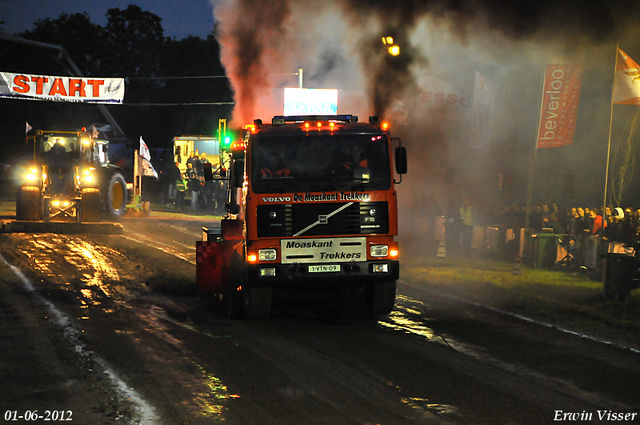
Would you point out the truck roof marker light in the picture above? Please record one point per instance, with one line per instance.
(319, 125)
(332, 125)
(306, 126)
(385, 126)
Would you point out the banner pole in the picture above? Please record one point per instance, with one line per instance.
(606, 174)
(535, 157)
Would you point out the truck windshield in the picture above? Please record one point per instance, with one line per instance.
(319, 163)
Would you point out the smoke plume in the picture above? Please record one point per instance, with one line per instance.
(427, 91)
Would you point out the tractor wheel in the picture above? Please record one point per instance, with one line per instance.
(146, 209)
(29, 205)
(116, 200)
(381, 297)
(90, 205)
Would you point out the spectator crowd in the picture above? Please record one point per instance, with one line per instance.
(616, 224)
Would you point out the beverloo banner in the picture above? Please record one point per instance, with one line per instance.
(61, 89)
(559, 105)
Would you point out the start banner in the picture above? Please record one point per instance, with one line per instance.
(559, 105)
(61, 89)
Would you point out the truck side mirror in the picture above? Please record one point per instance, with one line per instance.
(401, 160)
(238, 174)
(208, 172)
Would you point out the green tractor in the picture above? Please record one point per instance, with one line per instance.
(70, 180)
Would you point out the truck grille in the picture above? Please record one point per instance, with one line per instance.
(358, 218)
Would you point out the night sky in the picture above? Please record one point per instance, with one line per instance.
(179, 18)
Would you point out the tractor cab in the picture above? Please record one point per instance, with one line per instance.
(61, 158)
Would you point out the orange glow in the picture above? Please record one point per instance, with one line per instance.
(252, 258)
(393, 253)
(385, 126)
(332, 125)
(319, 124)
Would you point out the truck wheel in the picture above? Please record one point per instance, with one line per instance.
(117, 196)
(231, 302)
(29, 205)
(382, 297)
(232, 298)
(256, 301)
(90, 205)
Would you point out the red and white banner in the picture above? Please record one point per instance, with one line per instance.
(61, 89)
(626, 83)
(145, 161)
(559, 105)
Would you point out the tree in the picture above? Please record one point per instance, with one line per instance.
(131, 45)
(76, 34)
(134, 42)
(198, 58)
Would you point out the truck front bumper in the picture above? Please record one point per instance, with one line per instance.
(309, 275)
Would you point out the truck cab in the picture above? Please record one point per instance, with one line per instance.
(312, 210)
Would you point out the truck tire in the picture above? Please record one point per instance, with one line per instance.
(232, 298)
(382, 297)
(90, 205)
(28, 205)
(256, 301)
(116, 199)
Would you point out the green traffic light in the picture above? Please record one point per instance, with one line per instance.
(227, 140)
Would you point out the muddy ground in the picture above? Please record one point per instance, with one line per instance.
(110, 328)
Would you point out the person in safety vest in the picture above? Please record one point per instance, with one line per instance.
(466, 217)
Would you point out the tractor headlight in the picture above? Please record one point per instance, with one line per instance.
(32, 175)
(88, 176)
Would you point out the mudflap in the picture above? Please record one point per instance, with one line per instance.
(212, 267)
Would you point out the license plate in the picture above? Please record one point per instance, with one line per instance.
(326, 268)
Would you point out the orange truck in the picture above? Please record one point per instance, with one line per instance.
(311, 211)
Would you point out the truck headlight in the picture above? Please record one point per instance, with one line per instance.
(379, 250)
(267, 254)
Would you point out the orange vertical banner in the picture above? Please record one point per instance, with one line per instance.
(559, 105)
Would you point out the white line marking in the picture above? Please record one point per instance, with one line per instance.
(146, 413)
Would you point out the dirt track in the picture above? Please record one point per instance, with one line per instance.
(112, 330)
